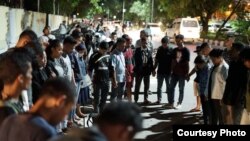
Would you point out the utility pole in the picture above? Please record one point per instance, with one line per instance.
(38, 5)
(123, 10)
(54, 7)
(21, 3)
(152, 12)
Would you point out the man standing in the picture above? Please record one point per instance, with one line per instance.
(143, 68)
(118, 66)
(63, 30)
(245, 54)
(100, 63)
(163, 61)
(180, 69)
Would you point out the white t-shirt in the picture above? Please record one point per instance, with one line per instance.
(68, 63)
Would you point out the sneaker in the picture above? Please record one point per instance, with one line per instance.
(178, 106)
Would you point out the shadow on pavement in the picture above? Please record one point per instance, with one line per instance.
(162, 131)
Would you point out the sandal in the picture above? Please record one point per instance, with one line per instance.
(195, 110)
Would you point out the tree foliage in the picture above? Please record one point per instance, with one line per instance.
(141, 10)
(195, 8)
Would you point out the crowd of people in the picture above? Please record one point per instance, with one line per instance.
(45, 82)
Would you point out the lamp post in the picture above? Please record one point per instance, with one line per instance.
(152, 11)
(38, 5)
(123, 10)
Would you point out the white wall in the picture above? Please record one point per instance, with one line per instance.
(3, 27)
(55, 21)
(13, 21)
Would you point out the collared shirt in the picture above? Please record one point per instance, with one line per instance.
(118, 64)
(217, 81)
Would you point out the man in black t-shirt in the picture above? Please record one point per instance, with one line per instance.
(163, 61)
(180, 69)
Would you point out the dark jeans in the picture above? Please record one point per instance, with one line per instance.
(173, 82)
(118, 92)
(138, 79)
(160, 79)
(205, 108)
(100, 95)
(215, 112)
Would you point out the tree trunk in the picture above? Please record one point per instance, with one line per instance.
(204, 20)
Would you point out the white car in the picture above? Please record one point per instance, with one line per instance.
(188, 27)
(153, 29)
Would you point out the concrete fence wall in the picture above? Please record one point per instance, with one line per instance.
(56, 20)
(13, 21)
(3, 27)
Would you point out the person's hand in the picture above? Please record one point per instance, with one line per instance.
(114, 84)
(154, 73)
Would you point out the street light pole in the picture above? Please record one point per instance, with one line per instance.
(152, 11)
(38, 5)
(123, 10)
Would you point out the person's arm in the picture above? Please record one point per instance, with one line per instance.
(193, 71)
(90, 66)
(156, 63)
(113, 72)
(203, 80)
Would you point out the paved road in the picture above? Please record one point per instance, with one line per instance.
(158, 121)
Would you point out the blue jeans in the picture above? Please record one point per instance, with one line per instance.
(160, 79)
(100, 95)
(118, 92)
(174, 80)
(73, 111)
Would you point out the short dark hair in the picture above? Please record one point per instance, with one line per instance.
(245, 53)
(29, 33)
(216, 52)
(125, 36)
(123, 113)
(69, 40)
(104, 45)
(36, 47)
(14, 63)
(238, 46)
(76, 34)
(120, 40)
(179, 36)
(59, 86)
(165, 39)
(199, 59)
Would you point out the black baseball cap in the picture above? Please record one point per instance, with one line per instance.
(198, 49)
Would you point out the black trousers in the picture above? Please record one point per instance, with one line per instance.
(215, 112)
(138, 80)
